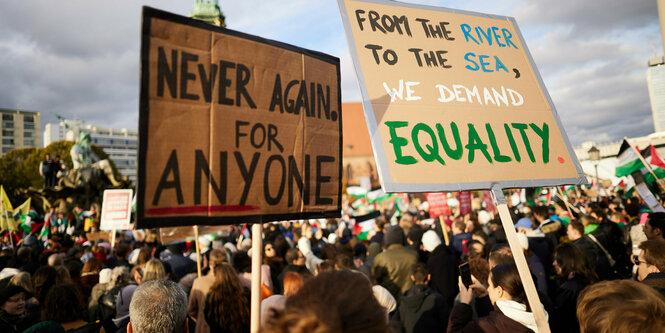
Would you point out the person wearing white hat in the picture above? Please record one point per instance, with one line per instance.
(441, 265)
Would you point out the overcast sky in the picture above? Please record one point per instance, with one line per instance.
(81, 58)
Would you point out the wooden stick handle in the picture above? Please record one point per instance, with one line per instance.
(520, 260)
(444, 231)
(198, 250)
(257, 252)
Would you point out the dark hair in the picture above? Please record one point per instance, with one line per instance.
(657, 221)
(654, 253)
(577, 226)
(226, 305)
(480, 233)
(144, 255)
(633, 209)
(343, 261)
(337, 301)
(325, 266)
(281, 245)
(74, 267)
(542, 211)
(291, 256)
(472, 252)
(122, 250)
(419, 272)
(43, 280)
(507, 277)
(501, 254)
(328, 251)
(63, 304)
(92, 265)
(572, 260)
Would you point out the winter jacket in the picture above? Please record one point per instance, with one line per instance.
(461, 320)
(422, 310)
(392, 269)
(564, 317)
(657, 281)
(442, 267)
(458, 242)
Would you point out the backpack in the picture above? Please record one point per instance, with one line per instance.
(106, 304)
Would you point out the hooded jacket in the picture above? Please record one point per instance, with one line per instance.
(392, 269)
(422, 310)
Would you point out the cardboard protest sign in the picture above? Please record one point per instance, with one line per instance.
(179, 234)
(464, 203)
(116, 210)
(453, 100)
(489, 203)
(438, 204)
(234, 127)
(97, 235)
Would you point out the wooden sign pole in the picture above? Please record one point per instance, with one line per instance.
(198, 250)
(257, 252)
(444, 231)
(520, 260)
(113, 240)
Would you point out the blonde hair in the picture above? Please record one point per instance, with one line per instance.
(153, 270)
(23, 280)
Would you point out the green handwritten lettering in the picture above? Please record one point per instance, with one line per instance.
(476, 144)
(495, 148)
(433, 150)
(399, 142)
(522, 127)
(457, 153)
(544, 134)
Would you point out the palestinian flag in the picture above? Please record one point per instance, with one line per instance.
(650, 155)
(46, 230)
(378, 196)
(364, 224)
(628, 160)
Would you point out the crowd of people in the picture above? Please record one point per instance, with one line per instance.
(598, 265)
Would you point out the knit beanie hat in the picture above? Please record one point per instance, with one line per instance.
(394, 235)
(374, 248)
(431, 240)
(524, 222)
(8, 291)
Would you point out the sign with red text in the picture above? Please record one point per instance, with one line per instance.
(234, 128)
(453, 100)
(489, 202)
(438, 204)
(116, 210)
(464, 203)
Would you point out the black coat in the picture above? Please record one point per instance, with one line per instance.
(422, 310)
(656, 281)
(461, 320)
(564, 317)
(442, 267)
(596, 257)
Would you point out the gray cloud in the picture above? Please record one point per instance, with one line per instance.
(81, 58)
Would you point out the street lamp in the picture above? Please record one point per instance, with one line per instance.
(594, 156)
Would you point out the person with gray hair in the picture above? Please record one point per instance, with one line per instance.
(158, 306)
